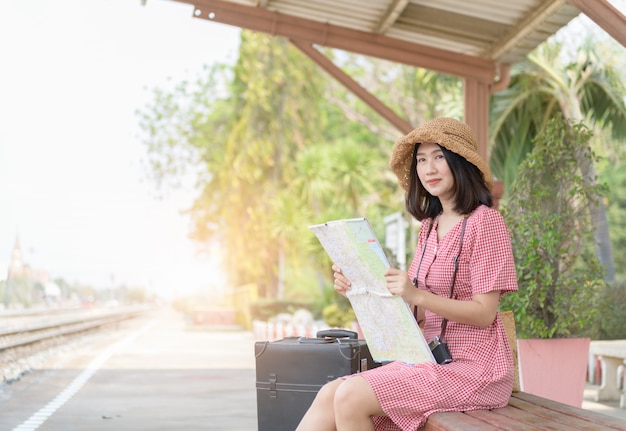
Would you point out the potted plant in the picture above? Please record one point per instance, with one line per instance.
(559, 274)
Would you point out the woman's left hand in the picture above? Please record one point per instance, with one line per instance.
(399, 284)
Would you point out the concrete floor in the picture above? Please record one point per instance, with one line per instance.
(157, 373)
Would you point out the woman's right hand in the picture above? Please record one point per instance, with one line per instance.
(342, 284)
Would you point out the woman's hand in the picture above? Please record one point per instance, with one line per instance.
(342, 284)
(399, 284)
(480, 311)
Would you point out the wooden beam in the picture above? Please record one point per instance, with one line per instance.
(503, 79)
(360, 42)
(525, 27)
(372, 101)
(605, 15)
(476, 113)
(394, 10)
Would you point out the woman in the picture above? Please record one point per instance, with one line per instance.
(448, 187)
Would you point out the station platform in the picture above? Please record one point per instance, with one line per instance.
(153, 373)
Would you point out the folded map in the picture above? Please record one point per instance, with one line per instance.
(389, 327)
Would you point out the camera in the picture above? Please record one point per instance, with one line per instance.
(440, 350)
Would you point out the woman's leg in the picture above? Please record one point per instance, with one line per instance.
(321, 414)
(355, 404)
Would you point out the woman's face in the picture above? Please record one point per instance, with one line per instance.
(433, 171)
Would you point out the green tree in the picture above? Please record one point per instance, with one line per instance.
(275, 145)
(545, 86)
(19, 291)
(559, 279)
(241, 130)
(613, 173)
(415, 94)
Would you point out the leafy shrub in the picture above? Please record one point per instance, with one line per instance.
(265, 309)
(336, 316)
(559, 275)
(610, 323)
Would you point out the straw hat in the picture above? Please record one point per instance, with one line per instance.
(447, 132)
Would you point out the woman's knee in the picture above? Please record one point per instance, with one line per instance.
(354, 397)
(326, 394)
(321, 416)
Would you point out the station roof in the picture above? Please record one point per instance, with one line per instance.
(503, 31)
(488, 31)
(475, 40)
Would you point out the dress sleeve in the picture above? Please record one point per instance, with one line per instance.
(492, 265)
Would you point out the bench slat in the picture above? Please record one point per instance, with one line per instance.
(581, 419)
(573, 422)
(456, 421)
(494, 418)
(525, 412)
(589, 417)
(530, 420)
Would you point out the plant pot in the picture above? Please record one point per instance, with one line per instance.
(554, 368)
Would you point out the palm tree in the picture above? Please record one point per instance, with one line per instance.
(544, 85)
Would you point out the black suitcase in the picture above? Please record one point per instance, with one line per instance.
(290, 372)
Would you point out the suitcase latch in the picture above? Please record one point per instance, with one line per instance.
(273, 393)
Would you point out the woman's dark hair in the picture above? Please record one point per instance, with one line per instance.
(470, 190)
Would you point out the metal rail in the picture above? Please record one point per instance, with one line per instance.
(19, 337)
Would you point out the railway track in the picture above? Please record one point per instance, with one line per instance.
(63, 326)
(27, 337)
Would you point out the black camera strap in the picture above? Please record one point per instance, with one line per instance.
(419, 265)
(444, 322)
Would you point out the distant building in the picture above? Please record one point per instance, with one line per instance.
(26, 286)
(16, 264)
(19, 269)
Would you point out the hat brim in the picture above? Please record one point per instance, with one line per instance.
(400, 162)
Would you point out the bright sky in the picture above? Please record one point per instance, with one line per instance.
(73, 179)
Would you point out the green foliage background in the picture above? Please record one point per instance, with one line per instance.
(559, 276)
(273, 145)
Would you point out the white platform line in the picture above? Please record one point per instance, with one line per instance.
(42, 415)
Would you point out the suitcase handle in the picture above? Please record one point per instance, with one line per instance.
(305, 340)
(337, 333)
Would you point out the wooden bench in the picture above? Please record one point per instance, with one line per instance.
(612, 354)
(524, 412)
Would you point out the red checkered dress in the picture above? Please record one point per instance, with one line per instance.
(481, 374)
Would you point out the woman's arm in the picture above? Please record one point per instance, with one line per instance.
(480, 311)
